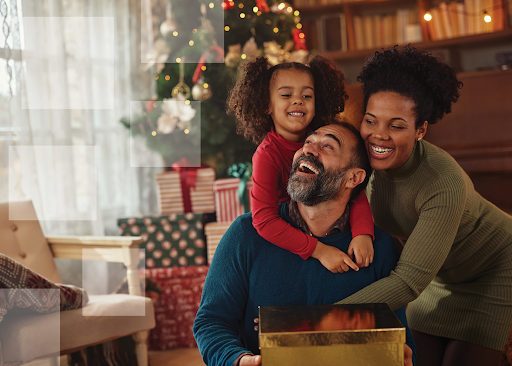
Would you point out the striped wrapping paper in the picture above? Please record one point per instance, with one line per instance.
(170, 200)
(227, 206)
(214, 232)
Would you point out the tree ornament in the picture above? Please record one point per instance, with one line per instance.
(273, 52)
(168, 25)
(181, 89)
(201, 91)
(233, 57)
(262, 6)
(228, 5)
(299, 38)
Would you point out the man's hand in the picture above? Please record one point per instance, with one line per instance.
(333, 259)
(250, 360)
(407, 355)
(361, 247)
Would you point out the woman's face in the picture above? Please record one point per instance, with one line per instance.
(388, 130)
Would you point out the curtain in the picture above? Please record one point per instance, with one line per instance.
(68, 72)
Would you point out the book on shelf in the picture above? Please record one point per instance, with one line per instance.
(368, 32)
(446, 20)
(358, 32)
(333, 33)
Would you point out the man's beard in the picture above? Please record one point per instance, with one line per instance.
(318, 188)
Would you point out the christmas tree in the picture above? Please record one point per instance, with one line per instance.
(191, 49)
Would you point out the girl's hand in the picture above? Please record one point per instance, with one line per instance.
(333, 259)
(361, 247)
(407, 355)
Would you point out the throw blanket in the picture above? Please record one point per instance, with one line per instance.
(24, 289)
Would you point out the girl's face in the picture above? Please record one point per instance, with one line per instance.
(292, 103)
(388, 130)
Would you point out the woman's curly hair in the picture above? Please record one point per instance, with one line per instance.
(249, 98)
(431, 84)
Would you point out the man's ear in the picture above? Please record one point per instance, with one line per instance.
(355, 176)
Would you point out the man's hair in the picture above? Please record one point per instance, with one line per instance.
(359, 158)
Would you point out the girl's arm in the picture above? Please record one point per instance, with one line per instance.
(361, 224)
(266, 178)
(426, 248)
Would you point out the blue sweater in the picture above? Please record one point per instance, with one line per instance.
(247, 272)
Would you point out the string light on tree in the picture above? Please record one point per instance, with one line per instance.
(487, 17)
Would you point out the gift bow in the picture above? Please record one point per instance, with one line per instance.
(242, 171)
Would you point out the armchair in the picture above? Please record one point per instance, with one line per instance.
(104, 318)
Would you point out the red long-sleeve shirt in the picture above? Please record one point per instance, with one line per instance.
(271, 169)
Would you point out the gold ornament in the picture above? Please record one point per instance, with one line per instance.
(201, 91)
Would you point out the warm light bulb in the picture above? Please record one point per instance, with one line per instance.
(255, 9)
(175, 33)
(301, 35)
(187, 102)
(153, 133)
(167, 77)
(281, 6)
(487, 18)
(186, 131)
(203, 68)
(205, 85)
(226, 28)
(156, 77)
(178, 60)
(296, 13)
(289, 9)
(427, 17)
(211, 5)
(241, 6)
(242, 15)
(299, 26)
(191, 43)
(243, 56)
(276, 30)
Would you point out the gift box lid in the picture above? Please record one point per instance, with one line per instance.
(326, 325)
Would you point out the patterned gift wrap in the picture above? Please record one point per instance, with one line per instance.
(214, 232)
(177, 306)
(169, 241)
(227, 205)
(170, 196)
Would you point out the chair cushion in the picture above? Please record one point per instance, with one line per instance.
(25, 337)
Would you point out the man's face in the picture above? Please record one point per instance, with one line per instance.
(319, 168)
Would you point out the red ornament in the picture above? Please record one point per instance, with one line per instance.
(300, 39)
(228, 4)
(150, 104)
(262, 6)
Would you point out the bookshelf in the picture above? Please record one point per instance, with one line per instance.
(406, 15)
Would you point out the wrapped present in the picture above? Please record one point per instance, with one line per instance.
(187, 190)
(171, 240)
(227, 204)
(176, 308)
(214, 232)
(358, 334)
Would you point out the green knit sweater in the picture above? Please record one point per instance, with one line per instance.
(450, 232)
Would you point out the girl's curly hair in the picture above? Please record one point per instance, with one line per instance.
(431, 84)
(249, 98)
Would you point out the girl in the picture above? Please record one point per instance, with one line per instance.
(277, 107)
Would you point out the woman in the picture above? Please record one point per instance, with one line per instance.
(457, 246)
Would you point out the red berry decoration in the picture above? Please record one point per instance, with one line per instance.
(228, 4)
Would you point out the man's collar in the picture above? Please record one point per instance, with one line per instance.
(296, 218)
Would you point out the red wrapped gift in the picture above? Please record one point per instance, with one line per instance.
(177, 306)
(227, 205)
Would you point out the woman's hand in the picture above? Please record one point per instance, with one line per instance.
(407, 355)
(251, 360)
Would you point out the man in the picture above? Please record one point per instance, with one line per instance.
(248, 272)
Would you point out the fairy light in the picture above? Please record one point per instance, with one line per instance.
(226, 28)
(153, 133)
(211, 5)
(289, 9)
(157, 77)
(281, 6)
(203, 68)
(194, 30)
(243, 56)
(255, 9)
(191, 43)
(242, 15)
(187, 102)
(186, 131)
(487, 17)
(301, 35)
(276, 30)
(258, 13)
(296, 13)
(299, 26)
(427, 17)
(175, 33)
(205, 85)
(167, 77)
(241, 6)
(178, 60)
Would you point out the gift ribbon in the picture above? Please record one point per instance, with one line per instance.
(242, 171)
(188, 179)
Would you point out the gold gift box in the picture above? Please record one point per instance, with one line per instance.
(325, 335)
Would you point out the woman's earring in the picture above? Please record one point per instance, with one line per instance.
(418, 139)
